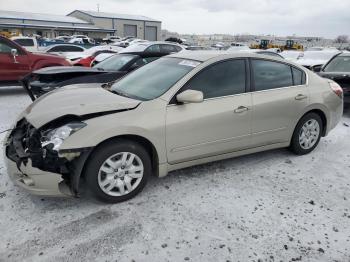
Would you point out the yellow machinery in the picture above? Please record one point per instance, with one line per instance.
(9, 34)
(264, 44)
(292, 45)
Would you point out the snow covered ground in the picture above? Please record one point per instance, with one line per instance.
(271, 206)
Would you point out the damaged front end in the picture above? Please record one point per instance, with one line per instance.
(39, 148)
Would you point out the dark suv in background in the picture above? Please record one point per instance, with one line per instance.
(338, 69)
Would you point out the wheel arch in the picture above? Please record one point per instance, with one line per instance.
(321, 113)
(146, 143)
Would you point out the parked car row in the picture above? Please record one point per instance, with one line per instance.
(47, 79)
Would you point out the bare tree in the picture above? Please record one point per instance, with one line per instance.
(342, 39)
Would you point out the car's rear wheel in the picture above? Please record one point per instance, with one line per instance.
(307, 134)
(117, 172)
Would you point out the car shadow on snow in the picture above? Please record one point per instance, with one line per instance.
(346, 112)
(219, 169)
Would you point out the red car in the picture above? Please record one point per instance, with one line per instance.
(16, 62)
(86, 61)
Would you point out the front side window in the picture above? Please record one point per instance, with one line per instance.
(4, 47)
(338, 64)
(221, 79)
(153, 79)
(270, 75)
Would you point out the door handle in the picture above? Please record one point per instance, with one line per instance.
(241, 109)
(300, 97)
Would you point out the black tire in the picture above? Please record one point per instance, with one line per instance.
(101, 154)
(295, 145)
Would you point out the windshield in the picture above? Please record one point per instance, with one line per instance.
(339, 64)
(154, 79)
(115, 62)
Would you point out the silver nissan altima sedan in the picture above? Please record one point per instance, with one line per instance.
(182, 110)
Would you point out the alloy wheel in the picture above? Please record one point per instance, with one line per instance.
(120, 174)
(309, 134)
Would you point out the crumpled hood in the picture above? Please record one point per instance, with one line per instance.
(76, 100)
(65, 69)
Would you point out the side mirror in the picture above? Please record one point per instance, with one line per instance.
(190, 96)
(14, 53)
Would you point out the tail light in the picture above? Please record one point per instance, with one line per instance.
(336, 88)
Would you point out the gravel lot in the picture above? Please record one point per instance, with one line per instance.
(271, 206)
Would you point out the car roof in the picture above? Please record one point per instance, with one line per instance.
(205, 55)
(344, 54)
(146, 54)
(50, 46)
(157, 42)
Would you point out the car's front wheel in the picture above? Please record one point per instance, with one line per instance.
(118, 171)
(307, 134)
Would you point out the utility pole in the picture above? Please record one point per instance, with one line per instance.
(98, 7)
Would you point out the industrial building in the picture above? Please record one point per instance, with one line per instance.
(124, 25)
(92, 24)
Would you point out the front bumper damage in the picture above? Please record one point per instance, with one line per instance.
(42, 171)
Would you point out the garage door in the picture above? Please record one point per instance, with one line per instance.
(130, 30)
(151, 33)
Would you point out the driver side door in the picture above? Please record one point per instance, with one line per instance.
(218, 125)
(12, 68)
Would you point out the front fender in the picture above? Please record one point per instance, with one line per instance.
(150, 126)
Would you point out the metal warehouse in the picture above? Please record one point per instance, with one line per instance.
(93, 24)
(124, 25)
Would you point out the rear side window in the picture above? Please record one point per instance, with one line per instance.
(153, 48)
(168, 49)
(298, 76)
(270, 75)
(24, 42)
(221, 79)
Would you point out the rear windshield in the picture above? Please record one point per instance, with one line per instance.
(338, 64)
(24, 42)
(115, 63)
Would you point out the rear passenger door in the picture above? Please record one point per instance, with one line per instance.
(279, 98)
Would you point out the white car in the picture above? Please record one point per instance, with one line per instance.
(291, 55)
(64, 38)
(156, 47)
(90, 51)
(236, 48)
(81, 40)
(29, 43)
(310, 59)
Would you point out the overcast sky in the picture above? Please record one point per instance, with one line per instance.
(327, 18)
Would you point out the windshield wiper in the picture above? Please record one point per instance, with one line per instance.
(100, 69)
(120, 93)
